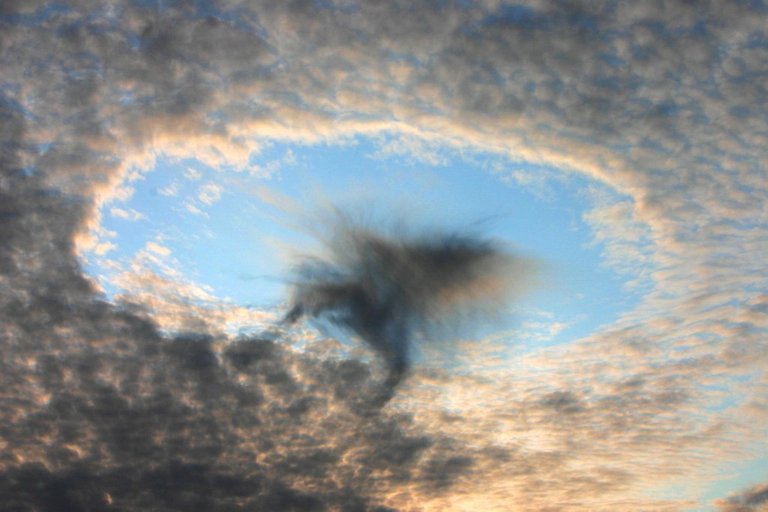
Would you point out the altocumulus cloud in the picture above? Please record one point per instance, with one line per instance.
(663, 101)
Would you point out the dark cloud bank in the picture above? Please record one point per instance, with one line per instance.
(99, 410)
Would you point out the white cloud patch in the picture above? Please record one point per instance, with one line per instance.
(413, 149)
(193, 174)
(158, 249)
(266, 170)
(625, 239)
(209, 193)
(193, 208)
(542, 331)
(170, 190)
(126, 213)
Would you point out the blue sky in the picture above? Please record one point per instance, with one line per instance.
(230, 244)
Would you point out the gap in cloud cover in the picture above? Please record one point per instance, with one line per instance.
(232, 234)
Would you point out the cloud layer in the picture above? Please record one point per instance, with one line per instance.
(662, 101)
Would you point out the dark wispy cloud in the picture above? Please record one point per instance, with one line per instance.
(662, 101)
(390, 288)
(753, 499)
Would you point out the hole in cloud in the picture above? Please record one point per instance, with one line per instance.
(187, 236)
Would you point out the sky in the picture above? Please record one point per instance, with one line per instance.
(385, 256)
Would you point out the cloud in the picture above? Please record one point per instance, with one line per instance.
(209, 193)
(126, 214)
(753, 499)
(177, 422)
(158, 249)
(663, 103)
(193, 174)
(391, 288)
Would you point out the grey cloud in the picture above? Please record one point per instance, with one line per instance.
(155, 423)
(389, 289)
(564, 402)
(753, 499)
